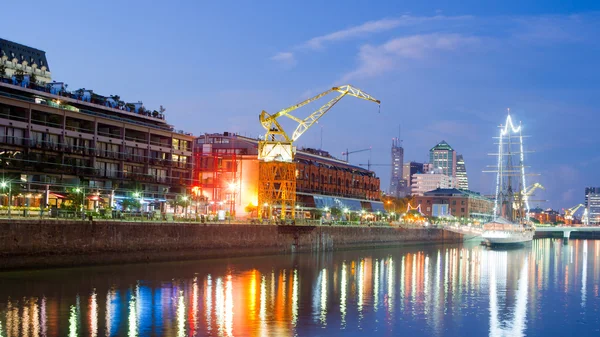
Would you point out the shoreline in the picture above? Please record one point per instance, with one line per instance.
(43, 245)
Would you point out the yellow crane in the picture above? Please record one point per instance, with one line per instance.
(277, 171)
(571, 211)
(529, 190)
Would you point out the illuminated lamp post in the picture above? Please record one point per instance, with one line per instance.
(82, 191)
(347, 213)
(5, 184)
(232, 189)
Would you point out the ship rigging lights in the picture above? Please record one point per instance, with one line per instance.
(277, 171)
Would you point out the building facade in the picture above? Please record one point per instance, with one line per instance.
(425, 182)
(227, 178)
(411, 168)
(588, 191)
(396, 176)
(452, 202)
(54, 142)
(593, 202)
(462, 179)
(443, 157)
(17, 60)
(547, 216)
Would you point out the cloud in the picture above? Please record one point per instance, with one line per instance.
(285, 58)
(376, 60)
(377, 26)
(353, 32)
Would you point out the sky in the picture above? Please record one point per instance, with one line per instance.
(443, 70)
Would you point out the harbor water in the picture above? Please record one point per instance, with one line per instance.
(547, 288)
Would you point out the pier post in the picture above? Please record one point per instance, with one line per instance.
(566, 235)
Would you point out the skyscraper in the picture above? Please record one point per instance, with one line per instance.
(588, 191)
(396, 183)
(443, 156)
(411, 168)
(461, 173)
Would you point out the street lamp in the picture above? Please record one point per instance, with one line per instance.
(347, 212)
(5, 184)
(80, 190)
(232, 189)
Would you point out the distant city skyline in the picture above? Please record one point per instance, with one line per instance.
(443, 71)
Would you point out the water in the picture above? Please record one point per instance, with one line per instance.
(547, 289)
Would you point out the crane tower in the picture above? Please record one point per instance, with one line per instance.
(277, 170)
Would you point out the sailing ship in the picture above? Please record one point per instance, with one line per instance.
(510, 221)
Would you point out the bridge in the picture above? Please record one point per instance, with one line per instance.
(566, 230)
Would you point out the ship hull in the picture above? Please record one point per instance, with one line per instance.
(506, 238)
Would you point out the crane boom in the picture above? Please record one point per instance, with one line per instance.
(529, 190)
(347, 153)
(280, 139)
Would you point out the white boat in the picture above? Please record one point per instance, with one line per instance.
(495, 234)
(511, 223)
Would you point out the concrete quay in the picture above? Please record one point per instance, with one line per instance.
(51, 243)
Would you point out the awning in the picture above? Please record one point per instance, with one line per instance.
(56, 195)
(341, 203)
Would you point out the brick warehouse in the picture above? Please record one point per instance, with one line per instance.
(226, 169)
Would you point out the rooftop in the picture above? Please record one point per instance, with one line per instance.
(13, 50)
(447, 192)
(442, 146)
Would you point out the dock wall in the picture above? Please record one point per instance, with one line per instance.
(43, 244)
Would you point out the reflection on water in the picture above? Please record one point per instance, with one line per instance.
(419, 291)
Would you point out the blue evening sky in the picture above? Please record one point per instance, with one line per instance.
(444, 70)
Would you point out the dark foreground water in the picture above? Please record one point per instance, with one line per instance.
(546, 289)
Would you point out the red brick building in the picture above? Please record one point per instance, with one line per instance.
(226, 173)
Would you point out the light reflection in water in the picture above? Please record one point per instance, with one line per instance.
(361, 280)
(132, 318)
(295, 298)
(584, 274)
(390, 290)
(73, 321)
(323, 316)
(229, 307)
(180, 315)
(437, 287)
(194, 313)
(219, 306)
(93, 311)
(343, 287)
(376, 286)
(208, 305)
(109, 315)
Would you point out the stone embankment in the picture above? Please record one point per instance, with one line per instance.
(49, 243)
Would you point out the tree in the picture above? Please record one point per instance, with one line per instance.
(2, 70)
(75, 200)
(33, 78)
(336, 212)
(130, 204)
(250, 209)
